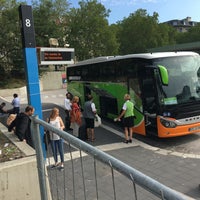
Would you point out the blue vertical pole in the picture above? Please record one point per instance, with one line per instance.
(31, 63)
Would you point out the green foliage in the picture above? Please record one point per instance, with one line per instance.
(192, 35)
(140, 31)
(12, 83)
(8, 150)
(49, 20)
(88, 31)
(10, 39)
(85, 28)
(48, 17)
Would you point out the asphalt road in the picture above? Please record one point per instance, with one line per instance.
(186, 144)
(173, 168)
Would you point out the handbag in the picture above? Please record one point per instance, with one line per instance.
(10, 119)
(97, 121)
(46, 137)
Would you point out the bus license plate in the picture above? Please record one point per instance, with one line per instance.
(194, 128)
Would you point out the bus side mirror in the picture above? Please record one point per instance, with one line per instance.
(164, 75)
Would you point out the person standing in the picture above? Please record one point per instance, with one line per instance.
(2, 110)
(56, 141)
(22, 124)
(67, 104)
(75, 115)
(128, 121)
(89, 116)
(16, 105)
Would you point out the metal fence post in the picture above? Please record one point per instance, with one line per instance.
(40, 158)
(137, 177)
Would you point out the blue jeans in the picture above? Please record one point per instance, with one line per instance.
(57, 145)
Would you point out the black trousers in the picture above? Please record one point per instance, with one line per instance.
(67, 120)
(14, 110)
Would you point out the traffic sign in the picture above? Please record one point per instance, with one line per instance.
(27, 26)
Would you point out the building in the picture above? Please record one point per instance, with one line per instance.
(182, 25)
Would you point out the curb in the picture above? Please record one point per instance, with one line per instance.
(154, 149)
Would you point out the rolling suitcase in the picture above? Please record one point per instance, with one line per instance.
(82, 132)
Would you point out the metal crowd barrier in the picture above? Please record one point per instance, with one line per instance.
(90, 173)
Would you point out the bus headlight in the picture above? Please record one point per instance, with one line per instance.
(168, 123)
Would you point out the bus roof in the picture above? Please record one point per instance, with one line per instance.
(141, 55)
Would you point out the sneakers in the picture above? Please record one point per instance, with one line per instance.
(61, 166)
(55, 165)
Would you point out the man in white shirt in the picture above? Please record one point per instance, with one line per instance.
(67, 104)
(16, 105)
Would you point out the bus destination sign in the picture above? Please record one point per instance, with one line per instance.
(55, 56)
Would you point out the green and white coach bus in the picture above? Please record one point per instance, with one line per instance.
(164, 87)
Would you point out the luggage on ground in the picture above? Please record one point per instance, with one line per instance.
(82, 132)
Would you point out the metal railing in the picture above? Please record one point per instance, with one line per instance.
(90, 173)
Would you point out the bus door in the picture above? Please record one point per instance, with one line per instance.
(148, 94)
(107, 103)
(87, 90)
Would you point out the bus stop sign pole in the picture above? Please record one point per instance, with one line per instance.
(31, 63)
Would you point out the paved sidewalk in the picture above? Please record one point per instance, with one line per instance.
(179, 171)
(50, 96)
(176, 170)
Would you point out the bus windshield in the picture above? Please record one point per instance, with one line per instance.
(184, 79)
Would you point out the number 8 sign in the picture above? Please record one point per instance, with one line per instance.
(27, 26)
(28, 22)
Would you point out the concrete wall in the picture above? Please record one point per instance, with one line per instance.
(19, 178)
(9, 92)
(51, 81)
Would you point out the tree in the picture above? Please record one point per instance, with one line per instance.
(193, 35)
(10, 39)
(49, 20)
(140, 31)
(88, 31)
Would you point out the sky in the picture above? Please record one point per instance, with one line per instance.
(166, 9)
